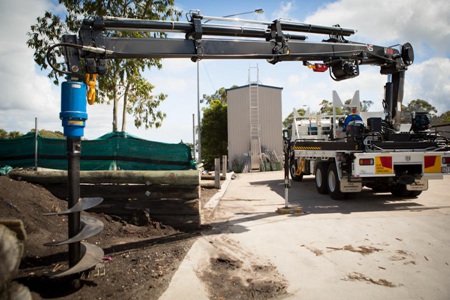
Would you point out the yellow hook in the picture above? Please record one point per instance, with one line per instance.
(91, 84)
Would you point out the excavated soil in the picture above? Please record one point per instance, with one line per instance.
(139, 261)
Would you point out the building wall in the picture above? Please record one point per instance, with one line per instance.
(270, 119)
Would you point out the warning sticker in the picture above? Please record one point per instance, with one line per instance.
(74, 122)
(383, 165)
(432, 164)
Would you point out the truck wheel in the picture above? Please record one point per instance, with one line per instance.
(321, 178)
(334, 186)
(414, 193)
(399, 190)
(293, 168)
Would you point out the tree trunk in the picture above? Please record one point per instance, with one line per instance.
(115, 104)
(125, 102)
(116, 97)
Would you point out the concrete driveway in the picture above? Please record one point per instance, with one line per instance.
(371, 247)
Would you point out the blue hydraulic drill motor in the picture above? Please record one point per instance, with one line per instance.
(73, 108)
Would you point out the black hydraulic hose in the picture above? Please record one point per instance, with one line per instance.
(49, 53)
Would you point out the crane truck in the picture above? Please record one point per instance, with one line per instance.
(347, 153)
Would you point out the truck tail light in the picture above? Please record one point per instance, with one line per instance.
(366, 161)
(446, 160)
(320, 67)
(317, 67)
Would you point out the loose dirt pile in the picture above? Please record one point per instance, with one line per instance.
(139, 260)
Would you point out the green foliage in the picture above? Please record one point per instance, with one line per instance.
(326, 108)
(443, 119)
(3, 134)
(214, 137)
(366, 104)
(124, 78)
(44, 133)
(220, 94)
(288, 120)
(49, 134)
(418, 105)
(421, 106)
(9, 135)
(143, 105)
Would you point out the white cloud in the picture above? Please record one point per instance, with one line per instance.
(25, 94)
(430, 81)
(283, 10)
(426, 24)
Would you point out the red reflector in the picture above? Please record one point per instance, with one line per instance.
(386, 161)
(429, 161)
(446, 160)
(366, 161)
(319, 67)
(389, 51)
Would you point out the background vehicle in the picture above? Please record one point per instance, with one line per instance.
(364, 149)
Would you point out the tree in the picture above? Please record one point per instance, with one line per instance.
(444, 118)
(214, 129)
(327, 108)
(3, 134)
(9, 135)
(49, 134)
(366, 104)
(124, 79)
(220, 94)
(417, 105)
(288, 120)
(420, 105)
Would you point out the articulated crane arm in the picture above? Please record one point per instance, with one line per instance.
(279, 41)
(275, 43)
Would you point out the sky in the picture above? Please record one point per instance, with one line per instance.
(28, 94)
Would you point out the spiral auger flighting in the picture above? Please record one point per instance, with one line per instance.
(83, 256)
(86, 255)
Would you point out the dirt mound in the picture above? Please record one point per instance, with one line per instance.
(139, 260)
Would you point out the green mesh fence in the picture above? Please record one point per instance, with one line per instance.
(116, 150)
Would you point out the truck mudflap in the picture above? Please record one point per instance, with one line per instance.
(350, 186)
(418, 185)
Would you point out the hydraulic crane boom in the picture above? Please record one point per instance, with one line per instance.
(274, 44)
(279, 41)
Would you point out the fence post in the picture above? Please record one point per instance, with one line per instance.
(217, 173)
(224, 166)
(35, 143)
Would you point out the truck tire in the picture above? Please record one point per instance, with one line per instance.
(293, 168)
(320, 175)
(399, 190)
(414, 194)
(334, 186)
